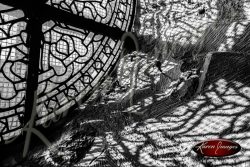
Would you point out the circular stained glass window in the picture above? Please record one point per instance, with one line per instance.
(74, 55)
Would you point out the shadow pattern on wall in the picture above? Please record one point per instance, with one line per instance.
(176, 27)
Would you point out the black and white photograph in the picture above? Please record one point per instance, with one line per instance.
(124, 83)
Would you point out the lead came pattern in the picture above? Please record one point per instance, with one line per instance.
(115, 13)
(72, 62)
(13, 67)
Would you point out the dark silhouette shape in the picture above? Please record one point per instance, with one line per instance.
(202, 11)
(158, 65)
(128, 46)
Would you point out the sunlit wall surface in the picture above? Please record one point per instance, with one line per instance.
(167, 136)
(202, 26)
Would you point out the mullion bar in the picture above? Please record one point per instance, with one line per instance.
(51, 13)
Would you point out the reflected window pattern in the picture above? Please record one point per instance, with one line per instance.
(201, 26)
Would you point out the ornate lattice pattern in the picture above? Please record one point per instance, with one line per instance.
(13, 65)
(115, 13)
(72, 60)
